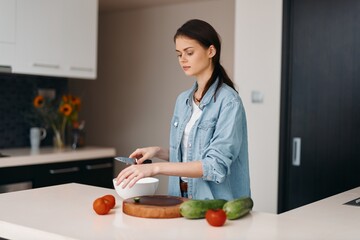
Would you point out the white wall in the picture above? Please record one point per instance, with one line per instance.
(130, 104)
(258, 30)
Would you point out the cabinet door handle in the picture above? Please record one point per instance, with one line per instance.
(99, 166)
(83, 69)
(296, 151)
(45, 65)
(64, 170)
(5, 69)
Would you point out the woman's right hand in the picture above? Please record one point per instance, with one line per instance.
(141, 154)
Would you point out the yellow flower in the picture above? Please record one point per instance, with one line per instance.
(38, 101)
(66, 109)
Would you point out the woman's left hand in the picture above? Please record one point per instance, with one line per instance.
(133, 173)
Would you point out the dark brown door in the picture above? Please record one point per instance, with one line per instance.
(320, 133)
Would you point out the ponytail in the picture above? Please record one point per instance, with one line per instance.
(218, 73)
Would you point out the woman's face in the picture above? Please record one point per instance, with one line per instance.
(194, 59)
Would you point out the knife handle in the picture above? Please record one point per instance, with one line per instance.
(147, 161)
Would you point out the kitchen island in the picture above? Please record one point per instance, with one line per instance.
(65, 212)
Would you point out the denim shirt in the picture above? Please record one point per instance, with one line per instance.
(218, 139)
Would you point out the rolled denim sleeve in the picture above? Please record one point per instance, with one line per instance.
(225, 145)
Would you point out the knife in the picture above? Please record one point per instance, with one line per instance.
(131, 160)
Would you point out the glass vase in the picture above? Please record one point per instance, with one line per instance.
(59, 139)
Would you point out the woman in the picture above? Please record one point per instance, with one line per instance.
(208, 154)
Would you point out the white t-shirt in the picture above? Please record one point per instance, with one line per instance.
(185, 139)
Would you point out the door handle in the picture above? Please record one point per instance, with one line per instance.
(83, 69)
(99, 166)
(46, 65)
(296, 151)
(64, 170)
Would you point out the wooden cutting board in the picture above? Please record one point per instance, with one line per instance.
(154, 206)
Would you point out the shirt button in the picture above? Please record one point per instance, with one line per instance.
(189, 145)
(176, 124)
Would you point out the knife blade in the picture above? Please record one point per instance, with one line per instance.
(130, 160)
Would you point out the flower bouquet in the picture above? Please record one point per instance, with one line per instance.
(58, 114)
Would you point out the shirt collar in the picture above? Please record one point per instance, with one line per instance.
(207, 97)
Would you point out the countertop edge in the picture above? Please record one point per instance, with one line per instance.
(24, 156)
(14, 231)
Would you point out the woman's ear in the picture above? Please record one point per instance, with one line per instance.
(212, 51)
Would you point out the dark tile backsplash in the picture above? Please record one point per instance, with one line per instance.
(16, 110)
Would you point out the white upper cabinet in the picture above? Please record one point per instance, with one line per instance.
(7, 32)
(56, 38)
(80, 40)
(39, 46)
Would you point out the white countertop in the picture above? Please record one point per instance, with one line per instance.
(325, 219)
(24, 156)
(65, 212)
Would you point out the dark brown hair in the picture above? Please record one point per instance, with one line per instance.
(206, 35)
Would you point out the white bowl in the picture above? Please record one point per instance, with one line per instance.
(145, 186)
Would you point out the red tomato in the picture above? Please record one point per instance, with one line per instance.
(100, 206)
(110, 200)
(215, 217)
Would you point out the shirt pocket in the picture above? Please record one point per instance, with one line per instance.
(205, 132)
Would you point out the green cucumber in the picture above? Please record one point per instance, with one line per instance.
(238, 208)
(194, 209)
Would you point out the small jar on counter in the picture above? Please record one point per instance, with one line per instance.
(77, 138)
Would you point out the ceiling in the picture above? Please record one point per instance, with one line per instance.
(118, 5)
